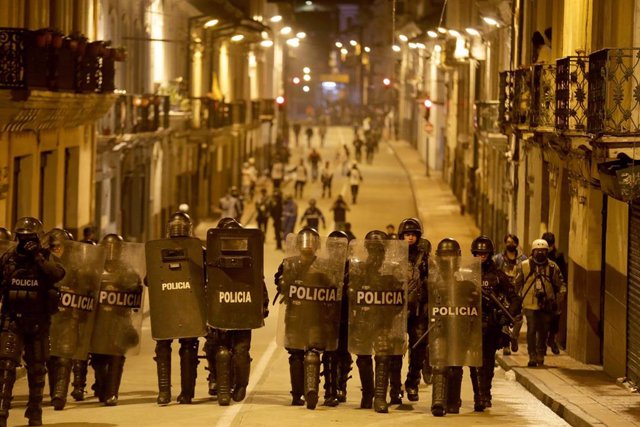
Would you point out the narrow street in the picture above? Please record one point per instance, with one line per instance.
(385, 197)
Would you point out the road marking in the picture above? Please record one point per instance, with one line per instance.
(232, 411)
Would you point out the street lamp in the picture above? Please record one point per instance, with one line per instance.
(211, 23)
(306, 70)
(266, 43)
(285, 30)
(276, 18)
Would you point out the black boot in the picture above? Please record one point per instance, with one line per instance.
(99, 363)
(395, 380)
(79, 379)
(382, 381)
(7, 379)
(114, 376)
(242, 369)
(439, 392)
(485, 378)
(61, 383)
(52, 363)
(296, 370)
(36, 377)
(330, 368)
(163, 366)
(454, 387)
(210, 352)
(311, 378)
(344, 367)
(478, 401)
(223, 368)
(365, 369)
(188, 369)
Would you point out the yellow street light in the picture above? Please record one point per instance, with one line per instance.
(338, 45)
(266, 43)
(211, 23)
(286, 30)
(306, 70)
(276, 18)
(236, 38)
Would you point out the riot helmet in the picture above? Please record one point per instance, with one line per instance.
(410, 225)
(28, 226)
(228, 222)
(54, 240)
(339, 234)
(113, 246)
(334, 242)
(308, 241)
(483, 247)
(540, 251)
(374, 244)
(179, 225)
(448, 253)
(5, 234)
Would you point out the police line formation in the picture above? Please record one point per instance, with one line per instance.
(68, 304)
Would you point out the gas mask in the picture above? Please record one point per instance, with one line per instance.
(512, 248)
(540, 256)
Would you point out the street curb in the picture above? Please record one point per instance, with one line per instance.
(558, 404)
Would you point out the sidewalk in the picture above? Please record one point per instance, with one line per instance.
(581, 394)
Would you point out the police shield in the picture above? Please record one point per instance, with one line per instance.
(235, 278)
(120, 301)
(5, 245)
(311, 288)
(175, 278)
(455, 312)
(72, 325)
(377, 297)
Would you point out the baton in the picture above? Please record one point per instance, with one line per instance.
(275, 298)
(487, 293)
(413, 347)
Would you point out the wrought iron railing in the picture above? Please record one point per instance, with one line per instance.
(522, 98)
(571, 94)
(614, 92)
(238, 112)
(486, 118)
(45, 59)
(505, 102)
(213, 113)
(141, 113)
(543, 97)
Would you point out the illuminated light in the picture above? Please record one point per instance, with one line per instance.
(403, 38)
(264, 35)
(386, 81)
(257, 18)
(308, 2)
(338, 45)
(286, 30)
(490, 21)
(306, 70)
(306, 88)
(412, 45)
(211, 23)
(367, 49)
(428, 103)
(344, 51)
(301, 35)
(472, 32)
(294, 42)
(280, 100)
(306, 77)
(353, 43)
(421, 45)
(266, 43)
(396, 48)
(442, 30)
(432, 34)
(296, 80)
(237, 38)
(329, 85)
(437, 48)
(276, 18)
(454, 33)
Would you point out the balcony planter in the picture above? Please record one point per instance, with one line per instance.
(620, 179)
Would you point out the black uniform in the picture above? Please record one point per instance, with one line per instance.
(495, 332)
(29, 297)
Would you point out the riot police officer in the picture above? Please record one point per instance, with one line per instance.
(410, 230)
(312, 300)
(499, 306)
(114, 331)
(29, 297)
(230, 347)
(337, 364)
(179, 226)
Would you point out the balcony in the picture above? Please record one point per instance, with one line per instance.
(543, 98)
(571, 94)
(614, 92)
(141, 113)
(505, 103)
(522, 98)
(48, 80)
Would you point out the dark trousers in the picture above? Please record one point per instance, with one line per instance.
(277, 228)
(482, 377)
(262, 224)
(538, 324)
(326, 188)
(417, 325)
(354, 193)
(299, 188)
